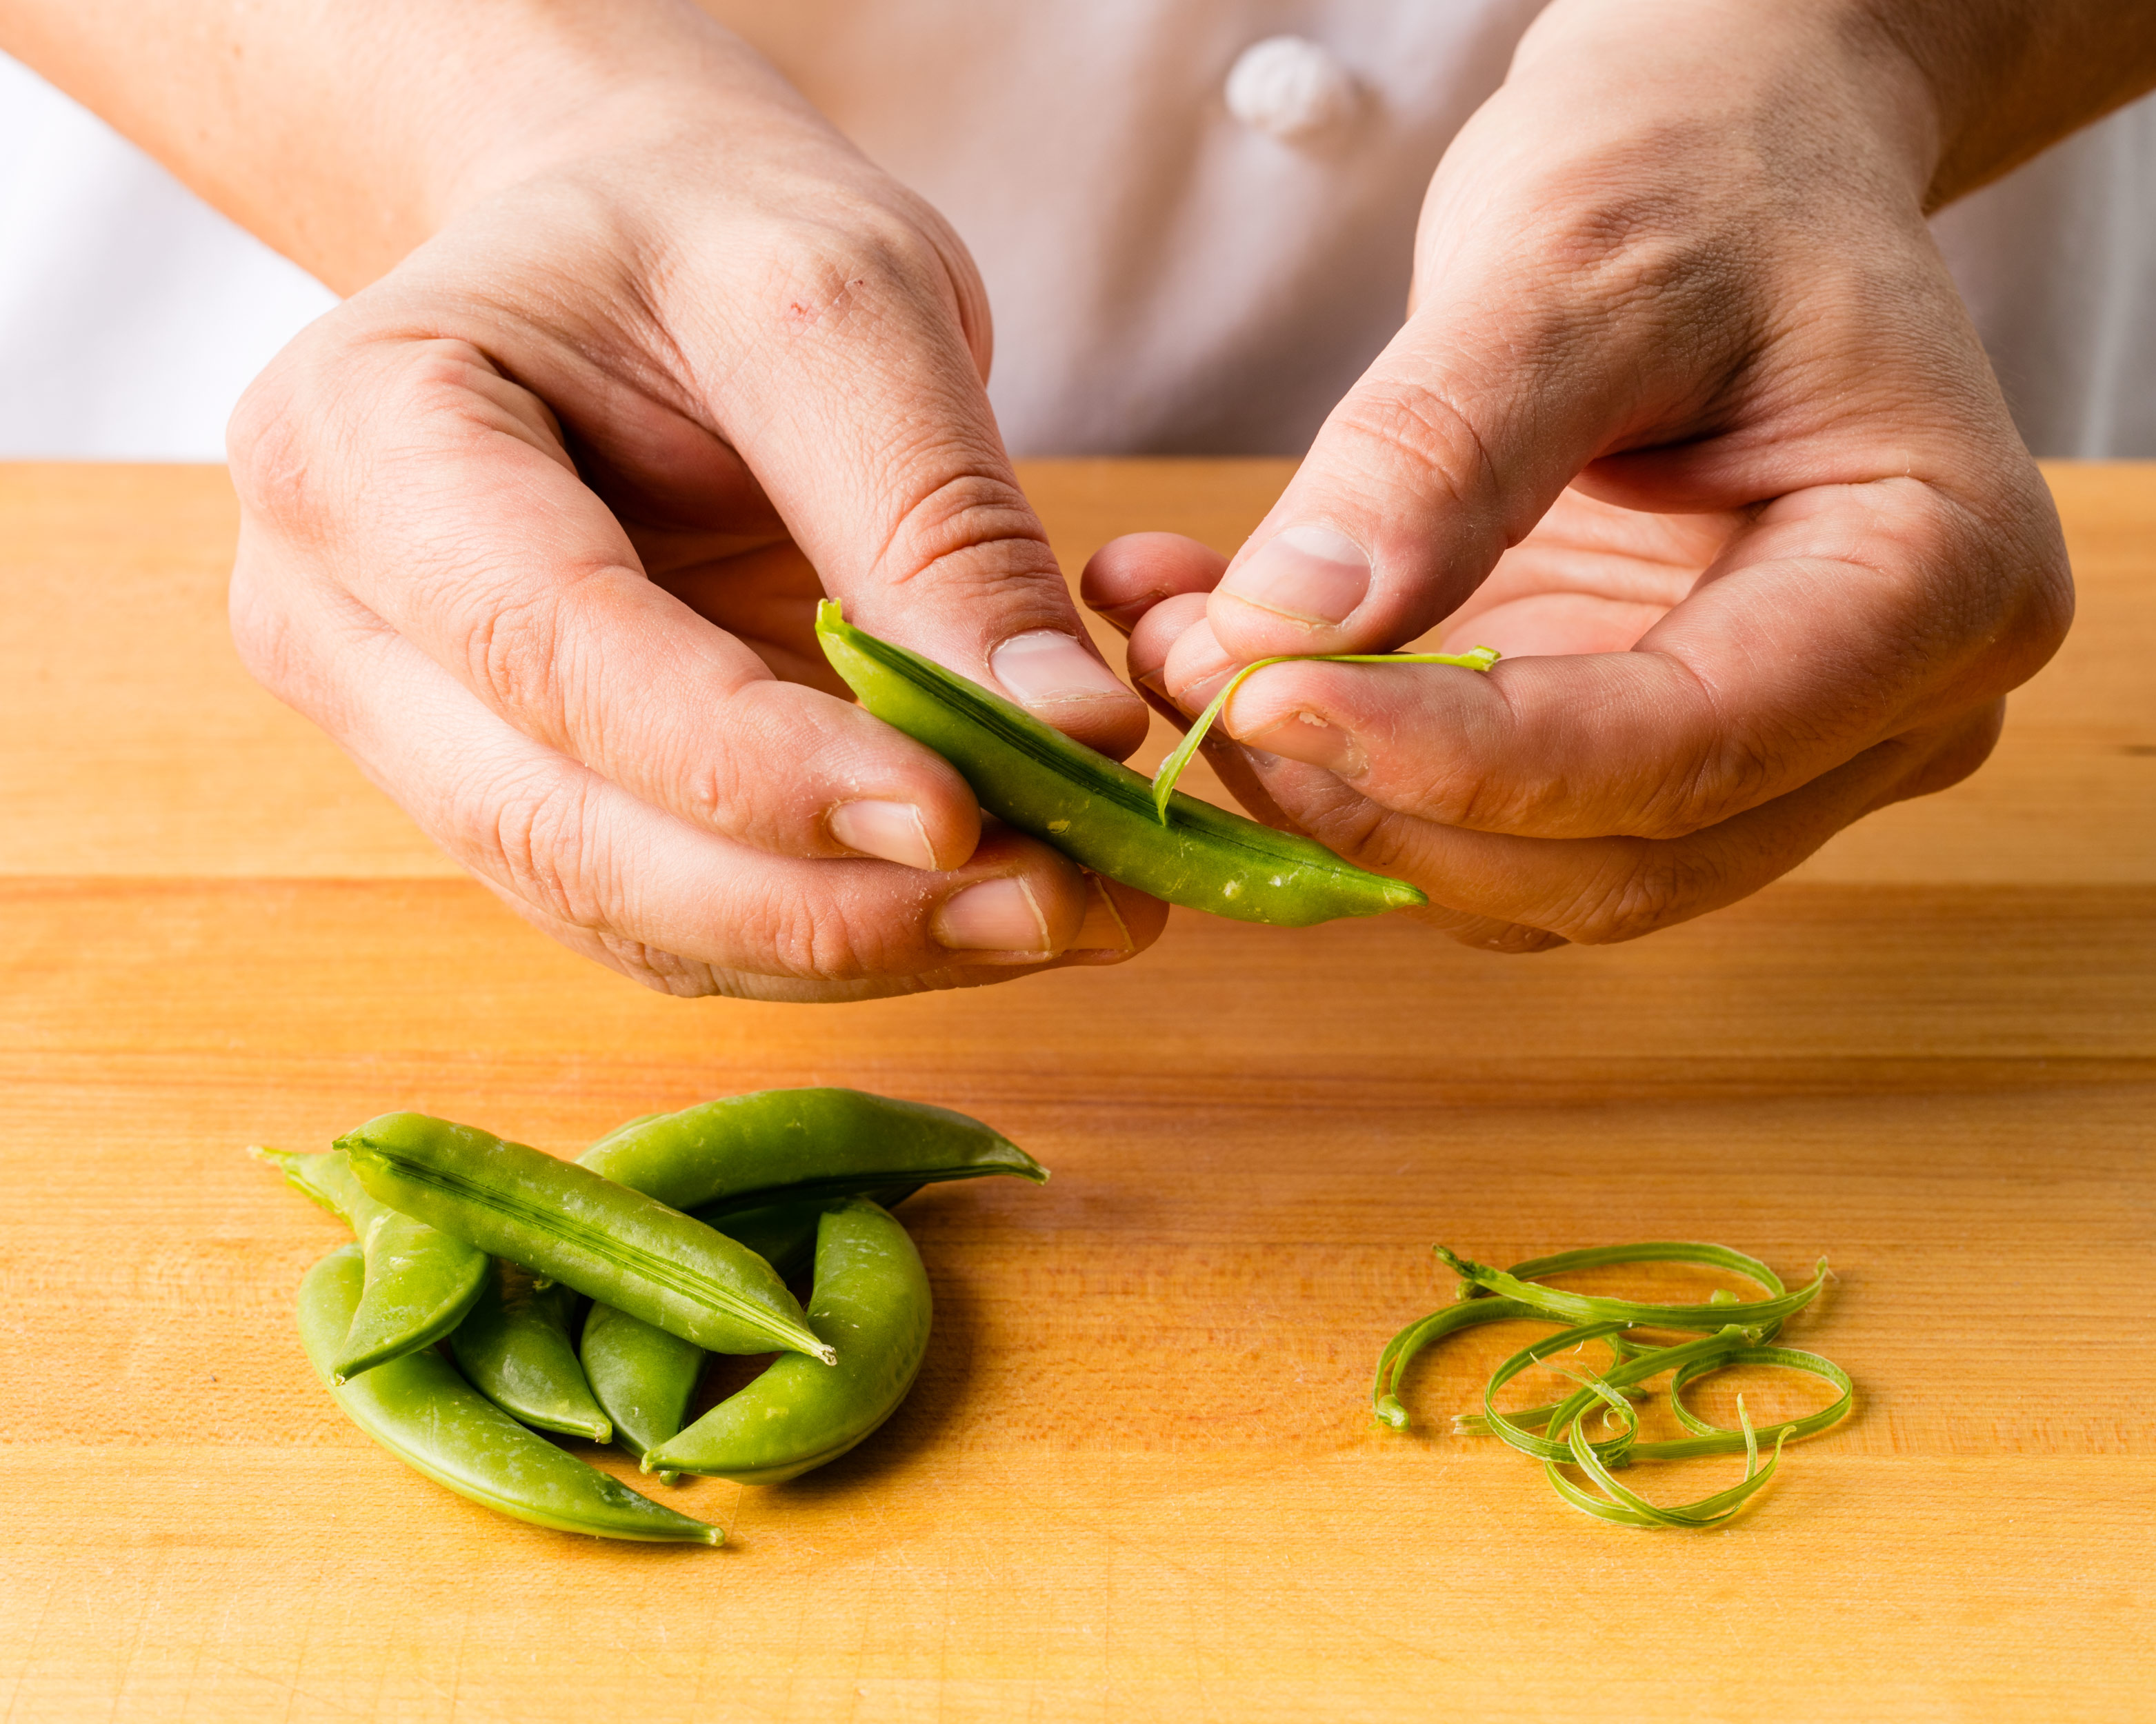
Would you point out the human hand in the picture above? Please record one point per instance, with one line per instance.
(1688, 421)
(535, 526)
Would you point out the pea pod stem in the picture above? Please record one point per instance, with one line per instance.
(1164, 778)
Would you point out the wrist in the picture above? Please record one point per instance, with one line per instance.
(579, 87)
(1818, 85)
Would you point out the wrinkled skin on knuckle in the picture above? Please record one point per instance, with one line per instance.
(832, 935)
(1643, 887)
(1735, 770)
(1408, 427)
(528, 650)
(732, 789)
(968, 535)
(1350, 824)
(537, 839)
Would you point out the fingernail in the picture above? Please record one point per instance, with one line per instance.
(995, 916)
(1104, 929)
(1045, 669)
(890, 830)
(1305, 737)
(1309, 574)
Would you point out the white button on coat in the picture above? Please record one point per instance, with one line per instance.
(1291, 88)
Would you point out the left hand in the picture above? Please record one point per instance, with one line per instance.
(1687, 420)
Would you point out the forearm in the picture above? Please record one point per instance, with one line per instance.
(2009, 78)
(1949, 94)
(345, 135)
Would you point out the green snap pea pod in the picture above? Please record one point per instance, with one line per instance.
(871, 1302)
(421, 1411)
(420, 1282)
(514, 1348)
(1096, 811)
(643, 1376)
(566, 1223)
(796, 1146)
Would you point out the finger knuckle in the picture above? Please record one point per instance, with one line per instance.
(273, 443)
(1648, 887)
(818, 936)
(542, 843)
(1965, 748)
(656, 968)
(857, 258)
(1408, 426)
(966, 527)
(262, 629)
(1734, 772)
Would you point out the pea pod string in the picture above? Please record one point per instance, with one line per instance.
(1479, 658)
(1733, 1333)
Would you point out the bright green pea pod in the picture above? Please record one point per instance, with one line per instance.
(798, 1146)
(420, 1282)
(642, 1376)
(514, 1348)
(566, 1223)
(871, 1303)
(421, 1412)
(1096, 811)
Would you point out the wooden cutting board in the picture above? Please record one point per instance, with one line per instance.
(1138, 1478)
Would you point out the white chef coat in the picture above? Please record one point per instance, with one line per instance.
(1173, 265)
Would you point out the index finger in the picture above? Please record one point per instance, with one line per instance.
(869, 427)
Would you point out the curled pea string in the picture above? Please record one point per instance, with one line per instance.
(1736, 1332)
(1480, 658)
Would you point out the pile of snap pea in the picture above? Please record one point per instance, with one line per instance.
(581, 1297)
(1731, 1332)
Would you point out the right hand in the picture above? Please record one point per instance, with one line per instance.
(535, 526)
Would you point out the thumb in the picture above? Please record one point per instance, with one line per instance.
(1446, 452)
(880, 450)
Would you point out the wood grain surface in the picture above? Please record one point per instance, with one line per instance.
(1138, 1478)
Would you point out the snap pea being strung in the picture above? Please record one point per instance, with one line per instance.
(871, 1303)
(420, 1282)
(569, 1225)
(1098, 811)
(514, 1345)
(421, 1411)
